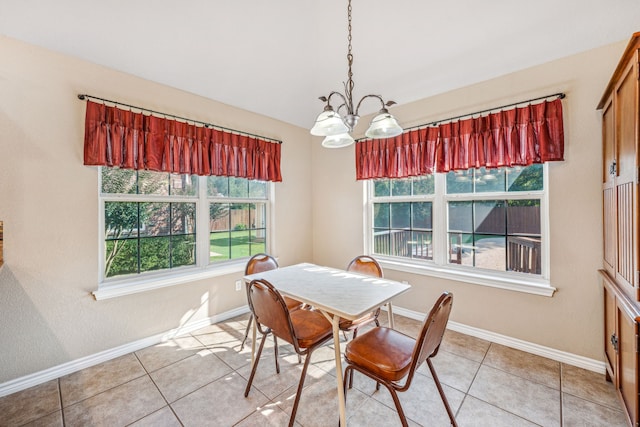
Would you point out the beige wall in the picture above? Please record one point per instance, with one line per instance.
(48, 202)
(569, 321)
(49, 205)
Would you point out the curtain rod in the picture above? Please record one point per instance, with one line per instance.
(560, 95)
(83, 96)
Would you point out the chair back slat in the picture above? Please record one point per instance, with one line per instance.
(432, 331)
(270, 310)
(365, 265)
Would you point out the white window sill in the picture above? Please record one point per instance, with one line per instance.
(117, 288)
(510, 281)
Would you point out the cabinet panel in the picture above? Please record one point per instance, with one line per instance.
(626, 117)
(608, 144)
(625, 237)
(628, 363)
(609, 228)
(610, 335)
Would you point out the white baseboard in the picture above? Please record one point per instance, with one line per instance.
(539, 350)
(40, 377)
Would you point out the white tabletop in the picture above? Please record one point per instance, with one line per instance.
(342, 293)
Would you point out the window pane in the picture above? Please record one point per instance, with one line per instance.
(401, 187)
(490, 180)
(523, 217)
(420, 245)
(217, 186)
(400, 215)
(524, 254)
(421, 215)
(257, 189)
(381, 188)
(424, 185)
(239, 216)
(258, 242)
(461, 216)
(381, 242)
(240, 244)
(238, 187)
(460, 182)
(183, 250)
(525, 179)
(490, 217)
(258, 218)
(120, 219)
(219, 216)
(118, 181)
(381, 215)
(183, 218)
(150, 182)
(154, 253)
(219, 246)
(490, 252)
(461, 248)
(121, 257)
(154, 219)
(183, 185)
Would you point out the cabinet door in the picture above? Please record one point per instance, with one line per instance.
(610, 336)
(609, 203)
(626, 117)
(627, 383)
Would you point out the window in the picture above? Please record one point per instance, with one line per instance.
(477, 223)
(156, 222)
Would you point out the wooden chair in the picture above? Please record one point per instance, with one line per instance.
(306, 330)
(257, 264)
(365, 265)
(388, 356)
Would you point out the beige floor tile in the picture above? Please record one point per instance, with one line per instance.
(525, 365)
(91, 381)
(589, 385)
(578, 412)
(30, 404)
(221, 403)
(529, 400)
(269, 415)
(407, 326)
(318, 405)
(187, 375)
(226, 346)
(476, 413)
(51, 420)
(422, 402)
(374, 413)
(166, 353)
(118, 406)
(453, 370)
(464, 345)
(161, 418)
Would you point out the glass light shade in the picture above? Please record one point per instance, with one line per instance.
(329, 123)
(338, 141)
(384, 125)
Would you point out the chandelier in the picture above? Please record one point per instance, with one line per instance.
(336, 128)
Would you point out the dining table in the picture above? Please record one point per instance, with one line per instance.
(337, 294)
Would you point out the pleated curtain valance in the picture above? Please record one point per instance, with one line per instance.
(518, 137)
(121, 138)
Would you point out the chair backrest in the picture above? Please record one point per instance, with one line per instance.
(366, 265)
(270, 310)
(259, 263)
(428, 342)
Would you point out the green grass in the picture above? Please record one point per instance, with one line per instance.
(237, 244)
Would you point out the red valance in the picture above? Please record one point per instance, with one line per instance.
(517, 137)
(125, 139)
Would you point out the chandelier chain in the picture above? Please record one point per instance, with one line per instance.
(348, 87)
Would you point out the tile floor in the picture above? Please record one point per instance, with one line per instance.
(199, 380)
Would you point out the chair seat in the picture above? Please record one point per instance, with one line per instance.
(310, 327)
(382, 351)
(347, 325)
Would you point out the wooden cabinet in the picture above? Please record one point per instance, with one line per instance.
(621, 270)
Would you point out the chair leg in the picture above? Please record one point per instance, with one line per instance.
(394, 395)
(246, 332)
(300, 387)
(275, 352)
(442, 396)
(355, 334)
(255, 366)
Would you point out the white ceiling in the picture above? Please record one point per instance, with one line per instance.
(276, 57)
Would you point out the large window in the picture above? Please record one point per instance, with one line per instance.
(156, 222)
(480, 222)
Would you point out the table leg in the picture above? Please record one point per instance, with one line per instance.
(335, 323)
(390, 314)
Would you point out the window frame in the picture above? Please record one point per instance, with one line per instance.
(203, 268)
(439, 267)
